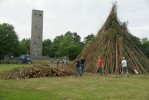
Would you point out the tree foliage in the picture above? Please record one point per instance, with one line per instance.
(8, 40)
(24, 46)
(89, 38)
(68, 44)
(47, 44)
(145, 46)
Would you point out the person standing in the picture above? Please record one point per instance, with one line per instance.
(57, 62)
(78, 68)
(82, 64)
(100, 65)
(52, 61)
(64, 61)
(124, 67)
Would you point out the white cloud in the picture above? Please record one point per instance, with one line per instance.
(81, 16)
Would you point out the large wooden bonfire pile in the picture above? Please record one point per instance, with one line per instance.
(37, 71)
(112, 42)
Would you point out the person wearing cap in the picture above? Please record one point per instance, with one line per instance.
(124, 67)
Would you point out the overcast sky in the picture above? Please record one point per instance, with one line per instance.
(81, 16)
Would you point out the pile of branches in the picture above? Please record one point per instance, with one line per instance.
(37, 71)
(112, 43)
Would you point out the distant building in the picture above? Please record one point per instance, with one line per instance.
(36, 33)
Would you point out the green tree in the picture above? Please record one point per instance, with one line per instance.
(145, 46)
(68, 44)
(24, 46)
(56, 47)
(71, 45)
(47, 44)
(89, 38)
(65, 44)
(8, 40)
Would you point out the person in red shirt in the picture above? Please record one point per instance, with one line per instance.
(100, 65)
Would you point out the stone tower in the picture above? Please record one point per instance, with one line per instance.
(36, 33)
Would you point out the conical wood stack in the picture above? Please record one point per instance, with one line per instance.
(113, 42)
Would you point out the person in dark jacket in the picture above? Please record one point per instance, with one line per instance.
(78, 68)
(82, 64)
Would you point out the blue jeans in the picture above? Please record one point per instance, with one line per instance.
(125, 69)
(78, 71)
(82, 67)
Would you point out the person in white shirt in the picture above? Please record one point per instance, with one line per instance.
(124, 67)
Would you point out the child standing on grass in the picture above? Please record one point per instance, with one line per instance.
(100, 65)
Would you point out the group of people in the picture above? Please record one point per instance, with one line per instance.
(100, 65)
(123, 65)
(80, 66)
(64, 62)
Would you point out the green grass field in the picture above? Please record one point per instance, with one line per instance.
(89, 87)
(34, 61)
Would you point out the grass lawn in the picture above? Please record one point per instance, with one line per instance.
(89, 87)
(46, 61)
(5, 67)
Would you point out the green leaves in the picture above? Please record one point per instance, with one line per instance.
(68, 45)
(89, 38)
(8, 39)
(24, 46)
